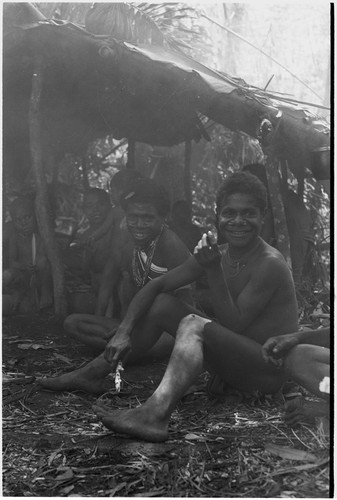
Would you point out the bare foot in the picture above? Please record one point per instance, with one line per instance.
(138, 422)
(74, 381)
(301, 410)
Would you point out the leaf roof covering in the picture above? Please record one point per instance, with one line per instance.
(95, 85)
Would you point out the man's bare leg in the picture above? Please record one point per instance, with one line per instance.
(150, 421)
(90, 378)
(238, 361)
(165, 314)
(91, 330)
(308, 365)
(199, 341)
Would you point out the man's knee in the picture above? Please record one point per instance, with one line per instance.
(71, 323)
(192, 323)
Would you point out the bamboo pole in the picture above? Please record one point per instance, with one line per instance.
(41, 202)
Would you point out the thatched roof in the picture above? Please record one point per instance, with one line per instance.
(95, 85)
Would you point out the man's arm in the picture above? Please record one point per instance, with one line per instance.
(120, 343)
(110, 280)
(176, 253)
(276, 348)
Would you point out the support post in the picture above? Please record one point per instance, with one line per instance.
(131, 163)
(187, 175)
(85, 176)
(279, 216)
(41, 203)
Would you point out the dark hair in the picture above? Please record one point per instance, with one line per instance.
(123, 178)
(147, 191)
(98, 193)
(245, 183)
(258, 170)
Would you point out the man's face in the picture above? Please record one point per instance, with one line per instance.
(143, 222)
(240, 220)
(24, 220)
(95, 210)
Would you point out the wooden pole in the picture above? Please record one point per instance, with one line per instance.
(187, 175)
(131, 163)
(85, 176)
(41, 203)
(280, 221)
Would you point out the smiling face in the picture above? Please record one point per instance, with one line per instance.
(240, 220)
(143, 222)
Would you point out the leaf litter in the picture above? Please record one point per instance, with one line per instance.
(53, 445)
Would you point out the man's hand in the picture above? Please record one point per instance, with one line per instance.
(207, 252)
(118, 348)
(275, 348)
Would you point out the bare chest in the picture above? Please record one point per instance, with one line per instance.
(236, 278)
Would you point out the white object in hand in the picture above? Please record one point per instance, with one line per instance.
(118, 378)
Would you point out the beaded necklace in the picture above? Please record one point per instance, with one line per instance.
(140, 275)
(239, 264)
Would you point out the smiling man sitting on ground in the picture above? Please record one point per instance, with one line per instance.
(253, 298)
(147, 248)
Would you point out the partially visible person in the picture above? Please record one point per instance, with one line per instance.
(116, 216)
(92, 249)
(27, 281)
(304, 357)
(183, 226)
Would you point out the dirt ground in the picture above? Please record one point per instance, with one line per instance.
(53, 444)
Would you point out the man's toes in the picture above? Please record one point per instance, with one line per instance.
(100, 410)
(105, 421)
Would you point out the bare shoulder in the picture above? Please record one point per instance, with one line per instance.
(122, 247)
(170, 240)
(271, 262)
(172, 250)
